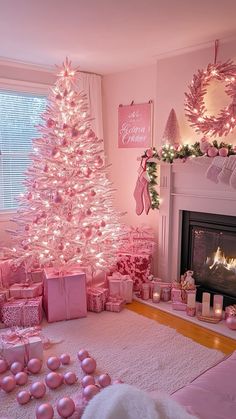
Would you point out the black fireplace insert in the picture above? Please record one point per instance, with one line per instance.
(208, 248)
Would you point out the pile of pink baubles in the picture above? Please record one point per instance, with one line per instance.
(65, 406)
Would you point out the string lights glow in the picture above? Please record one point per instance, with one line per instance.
(66, 215)
(195, 108)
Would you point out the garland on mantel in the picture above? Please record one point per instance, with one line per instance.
(168, 153)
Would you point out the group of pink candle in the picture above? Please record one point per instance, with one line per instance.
(206, 308)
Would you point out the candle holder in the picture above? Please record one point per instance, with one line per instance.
(206, 304)
(145, 291)
(218, 306)
(156, 295)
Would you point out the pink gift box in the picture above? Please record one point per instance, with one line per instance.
(96, 299)
(21, 345)
(176, 295)
(10, 274)
(22, 312)
(179, 306)
(36, 275)
(115, 304)
(26, 290)
(138, 267)
(121, 285)
(230, 311)
(64, 295)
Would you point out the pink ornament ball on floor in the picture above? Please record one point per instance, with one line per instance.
(44, 411)
(88, 365)
(53, 380)
(65, 359)
(70, 378)
(34, 365)
(53, 363)
(82, 354)
(38, 389)
(16, 367)
(8, 383)
(23, 397)
(3, 366)
(90, 391)
(87, 380)
(104, 380)
(65, 407)
(21, 378)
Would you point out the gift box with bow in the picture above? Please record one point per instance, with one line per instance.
(115, 304)
(25, 312)
(96, 299)
(121, 285)
(21, 345)
(26, 290)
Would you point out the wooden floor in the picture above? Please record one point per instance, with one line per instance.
(199, 334)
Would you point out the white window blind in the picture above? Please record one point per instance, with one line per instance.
(20, 113)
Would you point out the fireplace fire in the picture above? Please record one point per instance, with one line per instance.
(209, 249)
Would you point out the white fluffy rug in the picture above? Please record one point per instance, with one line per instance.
(127, 346)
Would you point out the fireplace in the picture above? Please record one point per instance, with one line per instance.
(186, 193)
(208, 247)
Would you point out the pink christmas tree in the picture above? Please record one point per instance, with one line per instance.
(66, 216)
(171, 133)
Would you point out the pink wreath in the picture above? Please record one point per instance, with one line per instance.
(195, 107)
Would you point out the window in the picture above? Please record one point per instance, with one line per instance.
(20, 113)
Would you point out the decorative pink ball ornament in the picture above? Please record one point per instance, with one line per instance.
(8, 383)
(53, 380)
(70, 378)
(21, 378)
(223, 152)
(34, 365)
(38, 389)
(65, 359)
(53, 363)
(90, 391)
(3, 366)
(65, 407)
(212, 151)
(204, 145)
(149, 152)
(82, 354)
(87, 380)
(23, 397)
(104, 380)
(231, 322)
(88, 365)
(44, 411)
(16, 367)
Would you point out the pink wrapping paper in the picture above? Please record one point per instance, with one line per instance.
(9, 274)
(26, 290)
(22, 312)
(36, 276)
(64, 295)
(176, 295)
(21, 345)
(138, 267)
(115, 304)
(121, 285)
(96, 299)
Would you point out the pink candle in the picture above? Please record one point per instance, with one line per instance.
(206, 304)
(218, 306)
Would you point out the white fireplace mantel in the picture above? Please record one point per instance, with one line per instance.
(184, 186)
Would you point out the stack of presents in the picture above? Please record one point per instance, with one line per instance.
(70, 294)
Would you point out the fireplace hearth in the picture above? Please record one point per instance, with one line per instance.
(208, 247)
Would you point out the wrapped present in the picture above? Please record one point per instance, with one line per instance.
(96, 299)
(26, 290)
(121, 285)
(230, 311)
(36, 275)
(11, 274)
(179, 306)
(115, 304)
(64, 294)
(138, 240)
(21, 345)
(138, 267)
(24, 313)
(176, 295)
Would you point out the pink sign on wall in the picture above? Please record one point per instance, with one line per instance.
(135, 126)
